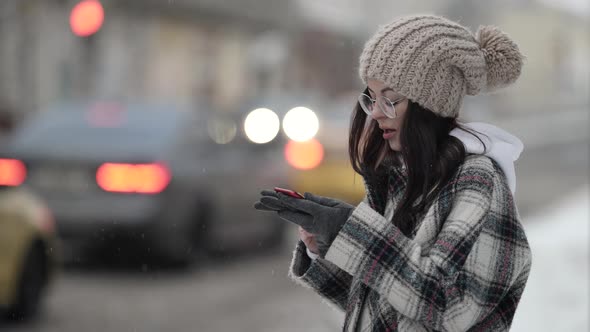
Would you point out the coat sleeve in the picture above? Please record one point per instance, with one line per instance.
(324, 277)
(328, 280)
(470, 269)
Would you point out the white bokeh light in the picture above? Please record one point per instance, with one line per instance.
(222, 131)
(262, 125)
(301, 124)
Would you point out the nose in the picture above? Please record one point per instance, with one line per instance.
(377, 114)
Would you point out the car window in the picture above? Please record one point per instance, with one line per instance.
(127, 130)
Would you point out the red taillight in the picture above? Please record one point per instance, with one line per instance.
(13, 172)
(133, 178)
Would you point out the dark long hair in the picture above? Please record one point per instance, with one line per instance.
(430, 154)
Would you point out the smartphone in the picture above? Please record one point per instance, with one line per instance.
(289, 192)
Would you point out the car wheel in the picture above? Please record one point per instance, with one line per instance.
(31, 285)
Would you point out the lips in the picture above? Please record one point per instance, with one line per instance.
(388, 133)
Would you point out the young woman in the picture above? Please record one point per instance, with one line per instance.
(437, 244)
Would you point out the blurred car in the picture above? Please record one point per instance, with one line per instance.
(149, 177)
(28, 253)
(333, 177)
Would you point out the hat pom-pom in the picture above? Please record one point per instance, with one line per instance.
(503, 58)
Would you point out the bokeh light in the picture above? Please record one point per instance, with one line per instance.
(222, 131)
(86, 18)
(304, 155)
(262, 125)
(301, 124)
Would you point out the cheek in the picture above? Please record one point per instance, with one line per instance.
(401, 113)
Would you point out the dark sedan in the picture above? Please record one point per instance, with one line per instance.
(147, 179)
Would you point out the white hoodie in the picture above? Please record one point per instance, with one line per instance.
(502, 146)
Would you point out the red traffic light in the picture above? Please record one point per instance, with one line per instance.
(86, 18)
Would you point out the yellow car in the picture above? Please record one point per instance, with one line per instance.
(28, 253)
(333, 178)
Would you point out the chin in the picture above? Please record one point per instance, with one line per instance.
(394, 146)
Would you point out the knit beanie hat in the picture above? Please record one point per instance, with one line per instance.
(435, 62)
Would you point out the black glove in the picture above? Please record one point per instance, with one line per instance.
(321, 216)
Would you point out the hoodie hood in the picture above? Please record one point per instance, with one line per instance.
(502, 146)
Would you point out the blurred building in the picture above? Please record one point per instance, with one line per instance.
(203, 52)
(220, 53)
(557, 46)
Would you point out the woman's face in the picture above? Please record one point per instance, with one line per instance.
(391, 127)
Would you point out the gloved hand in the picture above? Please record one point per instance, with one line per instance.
(321, 216)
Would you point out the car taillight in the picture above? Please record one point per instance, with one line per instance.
(304, 155)
(133, 178)
(13, 172)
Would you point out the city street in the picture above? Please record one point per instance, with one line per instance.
(250, 292)
(246, 294)
(136, 137)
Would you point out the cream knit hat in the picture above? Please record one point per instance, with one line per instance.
(435, 62)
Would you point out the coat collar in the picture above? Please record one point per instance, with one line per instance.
(388, 179)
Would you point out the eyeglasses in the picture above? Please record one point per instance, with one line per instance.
(385, 105)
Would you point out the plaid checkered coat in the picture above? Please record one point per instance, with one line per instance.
(464, 269)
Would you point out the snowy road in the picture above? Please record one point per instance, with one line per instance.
(252, 293)
(557, 294)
